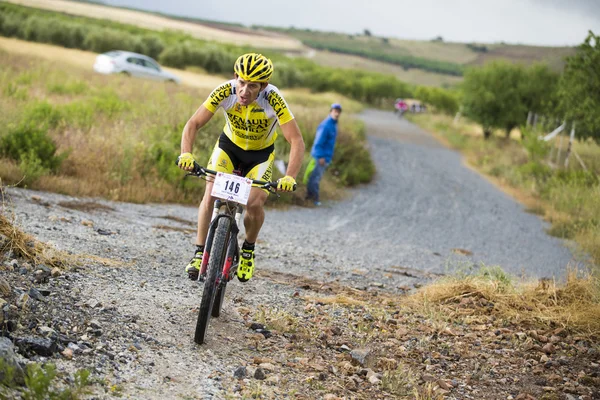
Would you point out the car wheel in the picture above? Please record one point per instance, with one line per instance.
(125, 73)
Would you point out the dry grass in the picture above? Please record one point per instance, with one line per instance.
(336, 299)
(23, 245)
(139, 121)
(155, 22)
(573, 305)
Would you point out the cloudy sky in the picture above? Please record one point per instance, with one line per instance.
(540, 22)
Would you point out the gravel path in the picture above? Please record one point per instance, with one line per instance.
(423, 204)
(394, 233)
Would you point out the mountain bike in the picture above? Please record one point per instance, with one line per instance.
(222, 251)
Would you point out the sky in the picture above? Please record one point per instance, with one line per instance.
(536, 22)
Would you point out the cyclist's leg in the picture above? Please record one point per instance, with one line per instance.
(254, 217)
(255, 214)
(219, 161)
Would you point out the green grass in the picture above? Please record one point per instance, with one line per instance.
(84, 134)
(569, 198)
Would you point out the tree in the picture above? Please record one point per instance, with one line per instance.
(367, 32)
(579, 88)
(539, 89)
(493, 96)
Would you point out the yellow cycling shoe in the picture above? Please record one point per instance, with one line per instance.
(246, 266)
(193, 268)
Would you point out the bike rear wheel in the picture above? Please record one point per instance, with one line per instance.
(213, 276)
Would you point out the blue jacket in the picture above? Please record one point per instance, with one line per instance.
(325, 140)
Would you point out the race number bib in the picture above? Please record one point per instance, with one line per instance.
(232, 187)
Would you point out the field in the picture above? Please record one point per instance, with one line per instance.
(156, 22)
(430, 63)
(85, 60)
(414, 76)
(70, 130)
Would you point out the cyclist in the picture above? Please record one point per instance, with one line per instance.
(252, 109)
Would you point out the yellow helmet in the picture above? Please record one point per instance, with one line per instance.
(253, 67)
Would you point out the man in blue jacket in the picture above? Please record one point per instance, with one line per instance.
(322, 153)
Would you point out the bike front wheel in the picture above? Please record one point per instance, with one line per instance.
(213, 276)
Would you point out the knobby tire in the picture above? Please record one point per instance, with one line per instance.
(232, 251)
(213, 272)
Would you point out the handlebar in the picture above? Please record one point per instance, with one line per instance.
(200, 171)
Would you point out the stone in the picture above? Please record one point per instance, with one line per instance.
(56, 272)
(240, 372)
(7, 353)
(330, 396)
(273, 380)
(267, 366)
(259, 374)
(548, 348)
(443, 384)
(93, 303)
(95, 324)
(67, 353)
(46, 330)
(36, 294)
(39, 346)
(374, 380)
(256, 326)
(361, 356)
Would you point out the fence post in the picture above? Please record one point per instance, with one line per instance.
(560, 140)
(571, 138)
(535, 120)
(529, 117)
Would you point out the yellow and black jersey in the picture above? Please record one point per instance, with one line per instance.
(250, 127)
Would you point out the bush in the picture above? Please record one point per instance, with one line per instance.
(31, 146)
(102, 40)
(441, 99)
(42, 115)
(153, 46)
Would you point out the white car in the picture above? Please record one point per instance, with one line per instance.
(132, 64)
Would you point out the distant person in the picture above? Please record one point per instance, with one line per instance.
(400, 106)
(322, 153)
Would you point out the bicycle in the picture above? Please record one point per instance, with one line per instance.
(222, 251)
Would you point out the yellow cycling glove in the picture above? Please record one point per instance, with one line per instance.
(286, 184)
(186, 161)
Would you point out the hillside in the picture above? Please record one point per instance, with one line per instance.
(431, 63)
(434, 56)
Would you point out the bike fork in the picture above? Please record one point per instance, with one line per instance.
(233, 249)
(209, 238)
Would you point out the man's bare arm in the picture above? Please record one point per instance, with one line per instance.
(292, 134)
(197, 121)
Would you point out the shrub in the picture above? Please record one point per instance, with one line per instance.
(31, 146)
